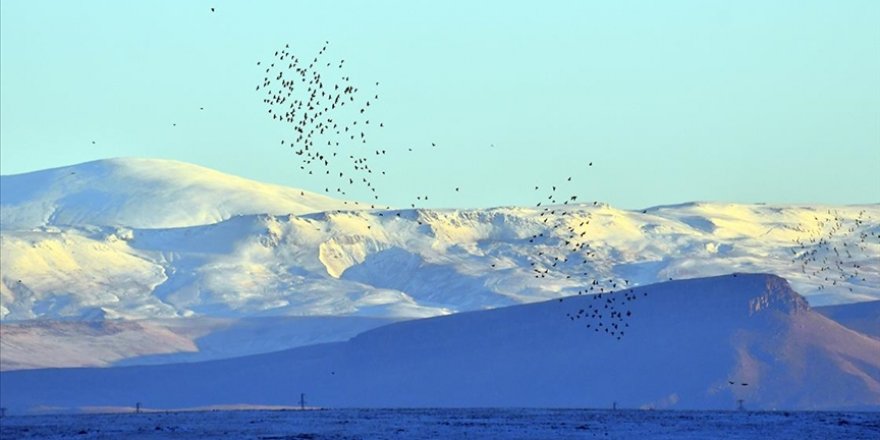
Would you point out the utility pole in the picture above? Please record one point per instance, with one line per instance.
(739, 405)
(137, 408)
(614, 406)
(302, 401)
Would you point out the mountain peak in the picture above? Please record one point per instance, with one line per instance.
(750, 293)
(143, 193)
(778, 295)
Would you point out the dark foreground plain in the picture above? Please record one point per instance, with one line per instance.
(447, 423)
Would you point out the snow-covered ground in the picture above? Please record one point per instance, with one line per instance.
(342, 424)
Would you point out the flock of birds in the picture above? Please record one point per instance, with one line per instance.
(564, 244)
(327, 118)
(609, 316)
(825, 258)
(328, 123)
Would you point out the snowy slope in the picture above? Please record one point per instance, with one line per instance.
(416, 263)
(685, 343)
(147, 193)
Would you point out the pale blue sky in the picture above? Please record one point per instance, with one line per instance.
(747, 101)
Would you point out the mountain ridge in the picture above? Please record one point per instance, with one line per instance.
(456, 257)
(692, 344)
(385, 264)
(863, 317)
(138, 192)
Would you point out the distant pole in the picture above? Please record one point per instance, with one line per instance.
(302, 401)
(2, 413)
(614, 406)
(739, 405)
(137, 408)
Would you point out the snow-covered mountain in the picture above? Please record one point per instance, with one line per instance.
(102, 245)
(143, 193)
(701, 343)
(148, 240)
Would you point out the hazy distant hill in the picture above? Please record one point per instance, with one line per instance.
(685, 343)
(863, 317)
